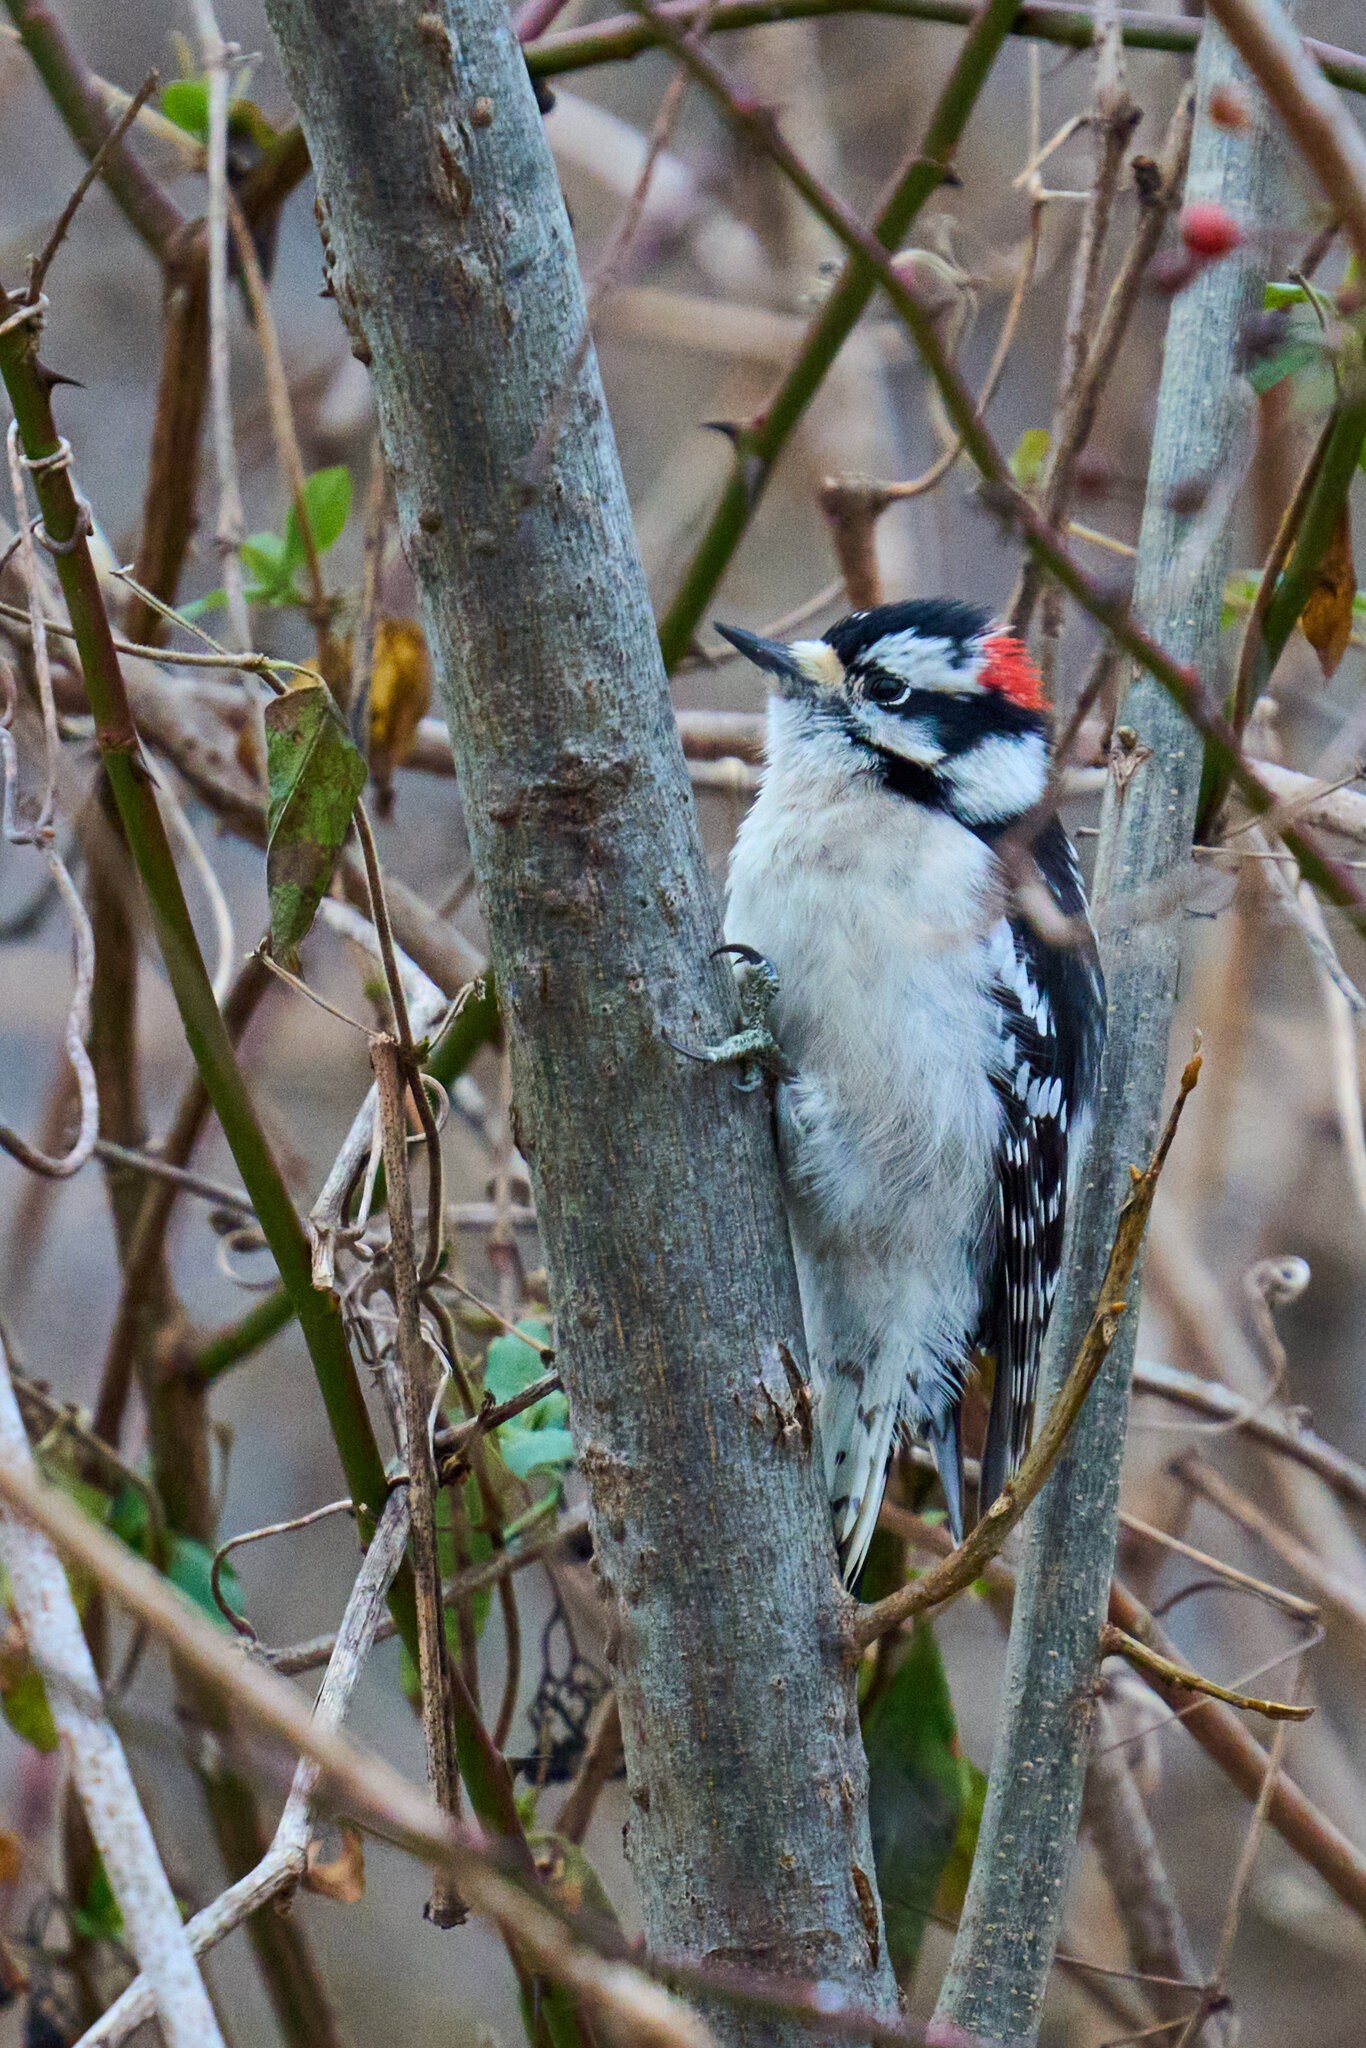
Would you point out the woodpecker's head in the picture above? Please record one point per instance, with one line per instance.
(925, 697)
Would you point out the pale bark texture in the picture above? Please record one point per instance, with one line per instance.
(1004, 1950)
(677, 1319)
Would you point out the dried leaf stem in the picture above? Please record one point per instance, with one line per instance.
(445, 1907)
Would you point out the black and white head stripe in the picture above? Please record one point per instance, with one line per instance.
(914, 643)
(1051, 1006)
(915, 699)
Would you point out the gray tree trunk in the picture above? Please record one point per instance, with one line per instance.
(1004, 1950)
(676, 1310)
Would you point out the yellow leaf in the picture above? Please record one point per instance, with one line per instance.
(341, 1877)
(1327, 617)
(400, 689)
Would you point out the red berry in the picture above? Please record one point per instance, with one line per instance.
(1228, 108)
(1209, 230)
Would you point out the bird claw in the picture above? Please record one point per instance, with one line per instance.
(753, 1048)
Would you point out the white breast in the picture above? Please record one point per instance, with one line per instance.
(876, 914)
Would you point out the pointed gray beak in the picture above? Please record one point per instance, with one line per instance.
(774, 655)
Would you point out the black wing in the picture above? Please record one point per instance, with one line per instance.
(1052, 1004)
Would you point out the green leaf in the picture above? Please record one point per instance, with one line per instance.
(186, 102)
(128, 1518)
(1240, 594)
(211, 601)
(265, 554)
(511, 1365)
(1031, 453)
(534, 1450)
(916, 1793)
(953, 1881)
(327, 502)
(1297, 354)
(189, 1566)
(24, 1703)
(98, 1917)
(315, 775)
(1275, 295)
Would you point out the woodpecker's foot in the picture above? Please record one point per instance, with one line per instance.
(753, 1048)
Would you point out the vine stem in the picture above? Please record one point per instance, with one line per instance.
(619, 38)
(66, 522)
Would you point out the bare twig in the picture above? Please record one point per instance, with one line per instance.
(369, 1788)
(1159, 191)
(1113, 119)
(216, 58)
(43, 263)
(1315, 117)
(281, 418)
(1073, 27)
(1332, 1589)
(1242, 1878)
(1289, 1435)
(94, 1754)
(1155, 1931)
(526, 1550)
(445, 1907)
(284, 1862)
(1114, 1642)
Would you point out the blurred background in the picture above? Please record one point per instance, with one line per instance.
(695, 327)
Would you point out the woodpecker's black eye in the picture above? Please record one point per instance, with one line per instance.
(887, 691)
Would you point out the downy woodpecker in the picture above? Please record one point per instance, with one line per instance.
(939, 1053)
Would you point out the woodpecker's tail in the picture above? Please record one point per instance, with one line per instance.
(856, 1442)
(945, 1439)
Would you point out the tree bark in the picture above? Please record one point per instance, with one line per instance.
(678, 1325)
(1004, 1950)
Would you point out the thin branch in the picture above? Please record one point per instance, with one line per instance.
(215, 1191)
(362, 1782)
(1079, 400)
(759, 445)
(143, 1254)
(281, 419)
(445, 1908)
(1155, 1931)
(230, 528)
(1326, 136)
(1113, 120)
(1114, 1642)
(75, 92)
(1332, 1589)
(93, 1753)
(284, 1862)
(1286, 1434)
(43, 263)
(1242, 1878)
(958, 1572)
(621, 37)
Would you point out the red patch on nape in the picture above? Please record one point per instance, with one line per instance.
(1007, 667)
